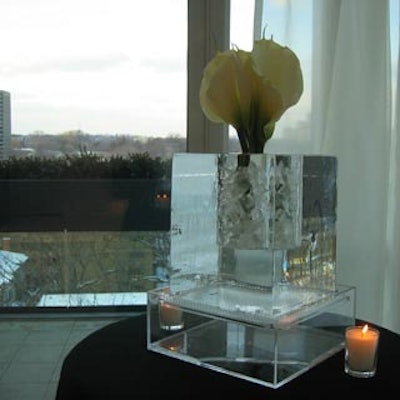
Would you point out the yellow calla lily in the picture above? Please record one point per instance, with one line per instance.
(226, 87)
(251, 90)
(281, 67)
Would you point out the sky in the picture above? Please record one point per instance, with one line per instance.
(100, 66)
(119, 66)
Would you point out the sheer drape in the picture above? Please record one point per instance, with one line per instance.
(350, 117)
(391, 293)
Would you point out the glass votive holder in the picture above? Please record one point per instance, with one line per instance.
(170, 316)
(361, 351)
(6, 243)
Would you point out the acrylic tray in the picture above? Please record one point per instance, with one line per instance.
(270, 350)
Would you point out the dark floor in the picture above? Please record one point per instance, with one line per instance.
(32, 352)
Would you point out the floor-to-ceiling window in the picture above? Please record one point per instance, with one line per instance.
(91, 82)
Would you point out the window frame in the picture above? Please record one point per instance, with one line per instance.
(208, 32)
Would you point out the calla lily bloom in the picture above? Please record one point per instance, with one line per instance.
(251, 90)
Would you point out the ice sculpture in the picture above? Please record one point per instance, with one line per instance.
(259, 230)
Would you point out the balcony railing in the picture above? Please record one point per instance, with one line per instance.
(82, 243)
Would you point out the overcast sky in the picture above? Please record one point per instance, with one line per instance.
(98, 65)
(102, 66)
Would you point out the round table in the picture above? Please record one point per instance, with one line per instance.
(114, 363)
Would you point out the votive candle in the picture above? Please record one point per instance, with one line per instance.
(171, 317)
(361, 349)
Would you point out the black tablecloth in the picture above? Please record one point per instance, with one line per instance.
(114, 363)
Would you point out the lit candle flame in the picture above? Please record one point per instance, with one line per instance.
(174, 347)
(365, 329)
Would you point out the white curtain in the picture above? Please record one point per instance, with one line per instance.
(348, 113)
(391, 292)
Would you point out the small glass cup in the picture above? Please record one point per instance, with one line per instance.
(171, 316)
(361, 351)
(6, 243)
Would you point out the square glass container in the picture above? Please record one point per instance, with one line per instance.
(271, 352)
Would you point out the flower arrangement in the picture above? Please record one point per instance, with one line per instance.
(251, 90)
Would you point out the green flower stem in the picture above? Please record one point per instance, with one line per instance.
(244, 141)
(250, 143)
(243, 160)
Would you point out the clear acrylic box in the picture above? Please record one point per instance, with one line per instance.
(271, 352)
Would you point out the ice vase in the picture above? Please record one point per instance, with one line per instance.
(252, 232)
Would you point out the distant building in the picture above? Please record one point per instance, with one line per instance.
(5, 125)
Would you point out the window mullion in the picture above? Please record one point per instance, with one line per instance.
(208, 32)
